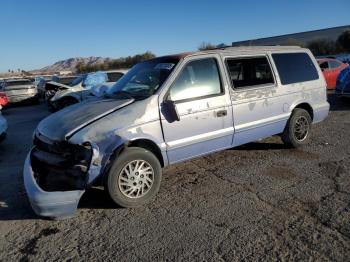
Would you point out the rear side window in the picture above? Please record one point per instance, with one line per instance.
(249, 72)
(295, 67)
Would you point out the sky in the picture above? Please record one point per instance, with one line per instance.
(37, 33)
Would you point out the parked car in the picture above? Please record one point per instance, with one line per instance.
(20, 90)
(3, 126)
(3, 99)
(343, 84)
(67, 96)
(168, 110)
(331, 69)
(57, 83)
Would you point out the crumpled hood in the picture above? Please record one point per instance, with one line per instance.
(64, 123)
(58, 85)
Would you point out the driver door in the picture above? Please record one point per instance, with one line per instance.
(205, 114)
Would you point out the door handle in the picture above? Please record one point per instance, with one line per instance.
(221, 113)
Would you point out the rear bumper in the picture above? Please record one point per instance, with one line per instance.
(321, 112)
(22, 98)
(57, 204)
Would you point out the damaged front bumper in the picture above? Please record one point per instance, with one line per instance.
(56, 175)
(54, 204)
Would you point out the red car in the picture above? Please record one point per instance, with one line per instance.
(3, 99)
(331, 69)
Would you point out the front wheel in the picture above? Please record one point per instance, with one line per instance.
(297, 130)
(134, 178)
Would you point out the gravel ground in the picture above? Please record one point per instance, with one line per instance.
(260, 201)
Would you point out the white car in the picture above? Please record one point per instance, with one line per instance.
(68, 95)
(3, 127)
(20, 90)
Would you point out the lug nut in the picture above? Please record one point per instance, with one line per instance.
(140, 182)
(137, 173)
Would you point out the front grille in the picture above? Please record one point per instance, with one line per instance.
(60, 165)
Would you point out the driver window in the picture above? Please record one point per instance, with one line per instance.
(199, 78)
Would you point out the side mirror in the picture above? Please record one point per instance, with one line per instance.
(168, 109)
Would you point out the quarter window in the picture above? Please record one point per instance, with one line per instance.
(199, 78)
(248, 72)
(295, 67)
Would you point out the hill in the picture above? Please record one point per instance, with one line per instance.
(70, 64)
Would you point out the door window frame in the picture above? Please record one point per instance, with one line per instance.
(243, 89)
(192, 59)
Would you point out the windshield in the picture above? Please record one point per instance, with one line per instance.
(145, 78)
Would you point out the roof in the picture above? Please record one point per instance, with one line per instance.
(243, 49)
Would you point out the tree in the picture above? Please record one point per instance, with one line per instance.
(296, 42)
(206, 46)
(322, 47)
(344, 41)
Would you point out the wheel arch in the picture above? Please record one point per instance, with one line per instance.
(306, 106)
(150, 146)
(142, 143)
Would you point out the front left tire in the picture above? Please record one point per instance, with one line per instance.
(134, 178)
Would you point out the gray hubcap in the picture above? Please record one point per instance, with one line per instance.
(301, 128)
(136, 179)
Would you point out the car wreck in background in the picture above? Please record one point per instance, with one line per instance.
(343, 83)
(84, 87)
(20, 90)
(59, 83)
(331, 68)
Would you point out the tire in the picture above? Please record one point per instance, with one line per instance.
(121, 186)
(298, 128)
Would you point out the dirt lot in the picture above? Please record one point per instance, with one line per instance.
(257, 202)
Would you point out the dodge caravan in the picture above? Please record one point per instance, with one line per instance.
(168, 110)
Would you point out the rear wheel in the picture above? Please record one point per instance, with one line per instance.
(134, 178)
(297, 130)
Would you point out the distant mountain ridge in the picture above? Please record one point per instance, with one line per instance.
(71, 63)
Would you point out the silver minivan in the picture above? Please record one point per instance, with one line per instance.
(168, 110)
